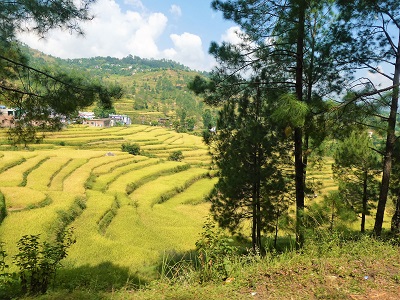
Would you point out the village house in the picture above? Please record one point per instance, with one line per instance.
(120, 120)
(86, 115)
(8, 116)
(103, 122)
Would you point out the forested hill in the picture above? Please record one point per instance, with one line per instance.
(110, 65)
(153, 89)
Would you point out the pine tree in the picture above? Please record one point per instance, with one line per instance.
(281, 42)
(356, 167)
(365, 35)
(251, 157)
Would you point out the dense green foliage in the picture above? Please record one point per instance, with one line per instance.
(369, 37)
(133, 149)
(176, 155)
(295, 75)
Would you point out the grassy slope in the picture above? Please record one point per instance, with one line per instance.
(326, 269)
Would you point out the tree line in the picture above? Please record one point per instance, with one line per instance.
(295, 81)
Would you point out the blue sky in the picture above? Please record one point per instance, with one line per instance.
(181, 30)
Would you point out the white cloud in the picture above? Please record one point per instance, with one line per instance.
(135, 3)
(118, 33)
(175, 10)
(232, 35)
(188, 49)
(378, 79)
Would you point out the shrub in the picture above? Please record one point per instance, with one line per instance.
(3, 255)
(215, 253)
(38, 262)
(176, 156)
(7, 281)
(133, 149)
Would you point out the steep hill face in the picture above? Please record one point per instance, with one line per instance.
(153, 89)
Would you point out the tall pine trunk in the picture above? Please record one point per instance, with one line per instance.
(390, 141)
(254, 221)
(396, 217)
(298, 132)
(364, 201)
(259, 244)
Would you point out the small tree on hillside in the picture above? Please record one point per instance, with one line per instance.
(250, 156)
(176, 156)
(356, 167)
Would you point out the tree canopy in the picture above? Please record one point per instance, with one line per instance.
(306, 54)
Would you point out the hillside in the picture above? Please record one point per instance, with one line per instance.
(153, 89)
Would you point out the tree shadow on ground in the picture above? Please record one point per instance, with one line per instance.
(104, 277)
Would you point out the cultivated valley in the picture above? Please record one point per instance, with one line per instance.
(270, 172)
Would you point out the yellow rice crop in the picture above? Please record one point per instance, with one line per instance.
(57, 182)
(14, 175)
(34, 221)
(141, 230)
(40, 178)
(194, 194)
(121, 183)
(20, 197)
(103, 180)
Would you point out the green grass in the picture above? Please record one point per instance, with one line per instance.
(331, 267)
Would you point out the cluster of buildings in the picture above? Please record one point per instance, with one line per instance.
(88, 118)
(9, 115)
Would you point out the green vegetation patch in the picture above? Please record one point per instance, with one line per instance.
(3, 209)
(108, 216)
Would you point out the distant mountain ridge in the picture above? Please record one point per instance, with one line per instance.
(153, 89)
(121, 66)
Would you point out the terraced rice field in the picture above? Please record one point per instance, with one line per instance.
(124, 209)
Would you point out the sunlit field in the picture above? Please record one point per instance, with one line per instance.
(125, 210)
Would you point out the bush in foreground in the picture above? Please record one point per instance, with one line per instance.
(37, 263)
